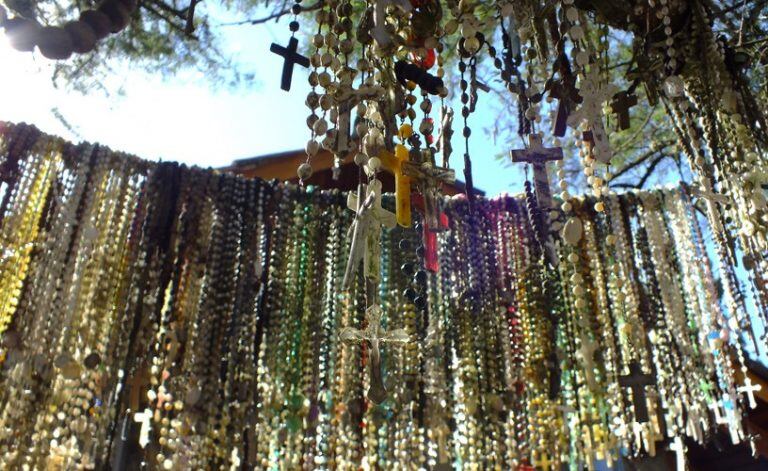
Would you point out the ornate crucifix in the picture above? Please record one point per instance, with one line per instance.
(538, 156)
(593, 95)
(429, 179)
(374, 334)
(366, 231)
(637, 381)
(291, 58)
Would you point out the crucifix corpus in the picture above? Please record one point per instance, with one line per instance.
(429, 179)
(637, 381)
(538, 156)
(366, 231)
(374, 334)
(291, 58)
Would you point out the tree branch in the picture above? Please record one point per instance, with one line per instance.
(274, 16)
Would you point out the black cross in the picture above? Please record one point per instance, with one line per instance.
(291, 57)
(621, 104)
(637, 381)
(567, 98)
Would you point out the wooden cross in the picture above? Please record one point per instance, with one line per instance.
(136, 384)
(346, 99)
(750, 389)
(637, 381)
(366, 231)
(620, 104)
(538, 156)
(374, 335)
(291, 58)
(429, 179)
(678, 447)
(567, 98)
(145, 419)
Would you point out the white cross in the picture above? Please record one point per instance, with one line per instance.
(695, 421)
(750, 389)
(587, 351)
(678, 447)
(366, 231)
(145, 419)
(717, 409)
(594, 94)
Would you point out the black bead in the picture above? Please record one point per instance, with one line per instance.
(467, 132)
(293, 26)
(404, 244)
(408, 268)
(420, 252)
(421, 277)
(462, 66)
(296, 9)
(420, 302)
(410, 294)
(464, 98)
(465, 112)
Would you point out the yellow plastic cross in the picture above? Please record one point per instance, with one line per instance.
(394, 163)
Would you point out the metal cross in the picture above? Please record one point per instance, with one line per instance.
(716, 407)
(544, 462)
(366, 231)
(750, 389)
(446, 132)
(429, 179)
(620, 104)
(374, 334)
(637, 381)
(291, 58)
(538, 156)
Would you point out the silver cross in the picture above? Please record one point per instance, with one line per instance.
(374, 334)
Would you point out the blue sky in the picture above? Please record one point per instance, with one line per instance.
(183, 118)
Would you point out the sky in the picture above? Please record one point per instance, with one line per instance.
(183, 118)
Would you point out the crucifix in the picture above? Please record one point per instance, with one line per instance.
(750, 389)
(695, 422)
(291, 58)
(429, 179)
(567, 98)
(374, 334)
(366, 231)
(394, 163)
(136, 384)
(678, 447)
(538, 156)
(620, 104)
(593, 95)
(474, 86)
(346, 99)
(637, 381)
(145, 419)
